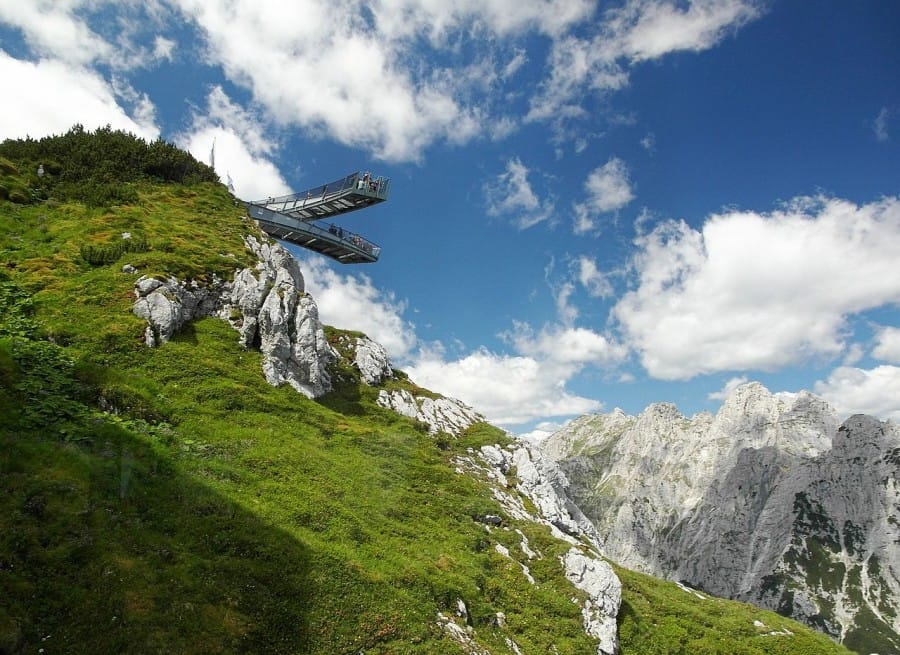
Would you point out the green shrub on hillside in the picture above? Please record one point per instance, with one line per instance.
(96, 168)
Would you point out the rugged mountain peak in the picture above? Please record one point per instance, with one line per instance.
(770, 501)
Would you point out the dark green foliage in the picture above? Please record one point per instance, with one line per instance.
(108, 253)
(96, 168)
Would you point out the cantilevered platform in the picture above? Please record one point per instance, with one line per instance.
(291, 218)
(337, 243)
(339, 197)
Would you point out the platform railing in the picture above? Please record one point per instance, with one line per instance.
(333, 233)
(365, 184)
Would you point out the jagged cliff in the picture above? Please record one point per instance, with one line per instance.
(770, 501)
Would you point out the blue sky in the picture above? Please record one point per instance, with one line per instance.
(594, 205)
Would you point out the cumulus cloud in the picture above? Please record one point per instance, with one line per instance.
(352, 302)
(511, 194)
(648, 29)
(752, 291)
(242, 149)
(887, 345)
(863, 391)
(608, 189)
(52, 96)
(348, 72)
(52, 30)
(507, 389)
(530, 383)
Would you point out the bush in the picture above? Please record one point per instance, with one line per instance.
(96, 168)
(108, 253)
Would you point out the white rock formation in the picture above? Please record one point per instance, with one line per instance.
(439, 414)
(266, 305)
(604, 590)
(372, 361)
(168, 305)
(769, 501)
(541, 481)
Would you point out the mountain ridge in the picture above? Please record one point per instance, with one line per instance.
(770, 501)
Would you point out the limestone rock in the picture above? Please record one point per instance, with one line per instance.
(372, 361)
(598, 580)
(541, 481)
(439, 414)
(266, 305)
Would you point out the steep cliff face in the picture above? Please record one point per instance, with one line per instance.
(769, 501)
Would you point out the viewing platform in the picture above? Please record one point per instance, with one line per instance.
(335, 242)
(292, 218)
(339, 197)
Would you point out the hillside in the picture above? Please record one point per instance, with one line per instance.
(171, 499)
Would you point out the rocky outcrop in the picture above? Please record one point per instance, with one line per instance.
(604, 596)
(446, 415)
(769, 501)
(268, 307)
(372, 361)
(169, 305)
(543, 484)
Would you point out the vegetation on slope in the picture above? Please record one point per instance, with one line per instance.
(169, 500)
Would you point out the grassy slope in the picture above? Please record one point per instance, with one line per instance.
(215, 514)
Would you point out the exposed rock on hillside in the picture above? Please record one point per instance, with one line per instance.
(769, 501)
(372, 361)
(439, 414)
(266, 305)
(540, 480)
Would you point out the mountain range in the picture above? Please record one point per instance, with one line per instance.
(771, 501)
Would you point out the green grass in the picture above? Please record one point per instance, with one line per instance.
(169, 500)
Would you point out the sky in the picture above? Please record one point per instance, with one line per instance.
(593, 204)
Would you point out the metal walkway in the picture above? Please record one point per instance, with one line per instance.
(291, 218)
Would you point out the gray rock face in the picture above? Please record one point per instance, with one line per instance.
(439, 414)
(267, 306)
(168, 306)
(372, 361)
(542, 483)
(770, 501)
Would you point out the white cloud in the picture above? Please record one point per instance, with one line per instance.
(163, 48)
(510, 194)
(649, 29)
(352, 302)
(591, 278)
(566, 346)
(507, 389)
(726, 390)
(887, 347)
(758, 291)
(52, 96)
(52, 30)
(541, 431)
(639, 30)
(242, 148)
(880, 125)
(863, 391)
(355, 74)
(608, 188)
